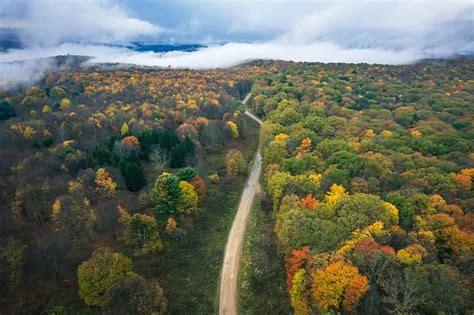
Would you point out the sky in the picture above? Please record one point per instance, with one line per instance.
(389, 32)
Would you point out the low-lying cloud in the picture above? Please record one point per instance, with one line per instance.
(222, 56)
(23, 72)
(232, 54)
(389, 32)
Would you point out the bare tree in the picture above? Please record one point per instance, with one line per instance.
(123, 150)
(158, 158)
(405, 291)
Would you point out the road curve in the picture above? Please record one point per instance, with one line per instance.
(230, 266)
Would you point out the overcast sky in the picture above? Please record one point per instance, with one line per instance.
(391, 32)
(397, 24)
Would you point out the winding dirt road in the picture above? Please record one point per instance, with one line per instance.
(230, 266)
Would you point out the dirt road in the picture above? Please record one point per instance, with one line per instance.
(230, 266)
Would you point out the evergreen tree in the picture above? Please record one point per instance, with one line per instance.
(186, 174)
(133, 174)
(6, 111)
(168, 139)
(182, 153)
(166, 194)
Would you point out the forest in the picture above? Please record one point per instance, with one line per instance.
(368, 170)
(118, 186)
(111, 178)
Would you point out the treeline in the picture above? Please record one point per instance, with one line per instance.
(370, 171)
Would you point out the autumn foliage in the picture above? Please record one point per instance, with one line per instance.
(99, 273)
(200, 187)
(232, 168)
(293, 263)
(338, 283)
(368, 169)
(371, 168)
(105, 184)
(309, 202)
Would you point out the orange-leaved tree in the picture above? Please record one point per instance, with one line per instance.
(200, 187)
(338, 282)
(294, 263)
(309, 202)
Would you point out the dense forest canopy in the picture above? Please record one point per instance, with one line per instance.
(97, 165)
(368, 168)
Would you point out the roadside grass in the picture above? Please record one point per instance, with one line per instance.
(262, 285)
(189, 268)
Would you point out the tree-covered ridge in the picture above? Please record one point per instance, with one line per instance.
(370, 169)
(99, 174)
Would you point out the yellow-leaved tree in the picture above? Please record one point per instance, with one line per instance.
(335, 194)
(105, 185)
(124, 129)
(298, 297)
(97, 274)
(188, 198)
(232, 168)
(336, 284)
(170, 225)
(234, 130)
(141, 232)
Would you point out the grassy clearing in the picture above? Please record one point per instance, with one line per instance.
(189, 268)
(262, 285)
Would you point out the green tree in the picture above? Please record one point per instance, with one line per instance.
(97, 274)
(405, 116)
(6, 110)
(165, 194)
(348, 161)
(182, 154)
(329, 146)
(288, 117)
(405, 208)
(186, 174)
(314, 123)
(334, 175)
(359, 210)
(296, 227)
(141, 232)
(134, 176)
(29, 101)
(300, 165)
(275, 152)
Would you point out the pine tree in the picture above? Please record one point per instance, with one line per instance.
(134, 177)
(166, 194)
